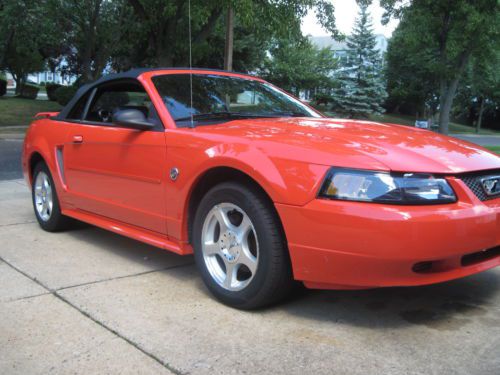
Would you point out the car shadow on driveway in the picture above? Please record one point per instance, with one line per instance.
(125, 247)
(446, 306)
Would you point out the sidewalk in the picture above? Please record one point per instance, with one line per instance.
(13, 132)
(88, 301)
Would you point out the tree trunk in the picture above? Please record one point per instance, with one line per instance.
(480, 118)
(228, 51)
(18, 86)
(90, 45)
(448, 91)
(19, 79)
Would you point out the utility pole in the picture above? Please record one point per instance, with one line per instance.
(228, 50)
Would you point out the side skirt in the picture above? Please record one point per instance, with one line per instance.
(137, 233)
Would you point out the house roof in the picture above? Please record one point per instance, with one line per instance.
(335, 45)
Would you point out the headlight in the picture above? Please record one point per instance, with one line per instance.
(384, 187)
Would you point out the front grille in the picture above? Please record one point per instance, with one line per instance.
(473, 182)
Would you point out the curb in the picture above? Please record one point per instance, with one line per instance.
(13, 136)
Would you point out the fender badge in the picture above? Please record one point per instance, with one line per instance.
(174, 173)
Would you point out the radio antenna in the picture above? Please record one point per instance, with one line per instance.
(190, 65)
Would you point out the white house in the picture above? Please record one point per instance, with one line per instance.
(340, 51)
(44, 77)
(340, 48)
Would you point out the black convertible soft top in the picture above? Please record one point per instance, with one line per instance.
(130, 74)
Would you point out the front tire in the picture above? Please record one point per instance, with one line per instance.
(45, 200)
(240, 248)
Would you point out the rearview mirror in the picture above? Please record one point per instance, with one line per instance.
(132, 118)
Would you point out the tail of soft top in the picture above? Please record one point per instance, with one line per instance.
(41, 115)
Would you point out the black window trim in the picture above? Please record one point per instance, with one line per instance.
(160, 127)
(90, 99)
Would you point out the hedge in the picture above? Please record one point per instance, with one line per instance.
(51, 90)
(64, 94)
(29, 91)
(3, 87)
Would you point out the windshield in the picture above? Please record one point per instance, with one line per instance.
(219, 98)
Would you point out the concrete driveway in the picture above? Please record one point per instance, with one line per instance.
(90, 302)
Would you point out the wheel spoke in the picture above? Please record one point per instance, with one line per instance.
(244, 227)
(222, 218)
(230, 274)
(248, 260)
(211, 248)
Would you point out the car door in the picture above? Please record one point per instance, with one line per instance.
(113, 171)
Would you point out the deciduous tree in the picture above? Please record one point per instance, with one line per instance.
(452, 32)
(91, 31)
(25, 38)
(161, 27)
(298, 65)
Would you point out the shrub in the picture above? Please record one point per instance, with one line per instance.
(64, 94)
(51, 90)
(322, 99)
(3, 87)
(29, 91)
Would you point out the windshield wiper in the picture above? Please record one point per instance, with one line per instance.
(224, 115)
(289, 114)
(205, 116)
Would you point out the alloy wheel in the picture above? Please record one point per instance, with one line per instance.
(43, 196)
(230, 247)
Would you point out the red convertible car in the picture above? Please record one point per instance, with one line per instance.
(264, 190)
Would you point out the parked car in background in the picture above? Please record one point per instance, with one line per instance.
(422, 124)
(263, 189)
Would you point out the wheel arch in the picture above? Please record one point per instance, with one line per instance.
(218, 175)
(35, 158)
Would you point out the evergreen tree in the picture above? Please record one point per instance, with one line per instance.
(360, 90)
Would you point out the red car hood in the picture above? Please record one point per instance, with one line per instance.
(358, 144)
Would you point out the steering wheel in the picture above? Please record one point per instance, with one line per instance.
(104, 115)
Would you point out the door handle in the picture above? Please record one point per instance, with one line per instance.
(77, 139)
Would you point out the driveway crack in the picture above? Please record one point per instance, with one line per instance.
(55, 293)
(12, 224)
(123, 277)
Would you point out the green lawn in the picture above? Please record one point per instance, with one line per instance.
(16, 111)
(410, 121)
(494, 149)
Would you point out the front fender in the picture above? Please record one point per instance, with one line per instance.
(285, 181)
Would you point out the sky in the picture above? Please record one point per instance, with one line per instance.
(345, 14)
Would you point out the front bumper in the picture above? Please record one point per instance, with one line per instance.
(350, 245)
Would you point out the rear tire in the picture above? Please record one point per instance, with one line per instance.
(45, 200)
(240, 248)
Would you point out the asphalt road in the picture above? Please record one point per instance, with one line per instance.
(483, 140)
(10, 159)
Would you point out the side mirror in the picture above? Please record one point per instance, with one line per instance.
(132, 118)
